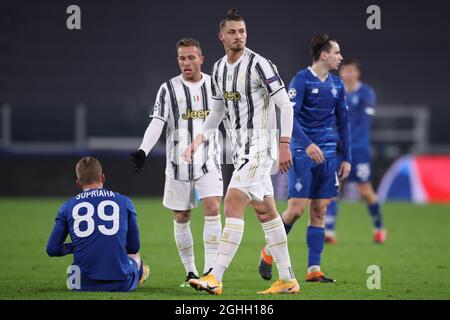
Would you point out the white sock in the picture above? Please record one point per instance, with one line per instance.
(314, 269)
(185, 245)
(231, 238)
(267, 249)
(277, 242)
(330, 233)
(329, 219)
(211, 240)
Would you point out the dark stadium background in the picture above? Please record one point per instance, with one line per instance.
(126, 49)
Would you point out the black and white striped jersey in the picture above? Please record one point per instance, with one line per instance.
(184, 106)
(245, 88)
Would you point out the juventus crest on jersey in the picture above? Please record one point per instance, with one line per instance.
(245, 88)
(184, 106)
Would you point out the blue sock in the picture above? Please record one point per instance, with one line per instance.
(287, 227)
(315, 238)
(330, 218)
(375, 213)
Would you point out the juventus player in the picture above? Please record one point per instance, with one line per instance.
(245, 87)
(183, 103)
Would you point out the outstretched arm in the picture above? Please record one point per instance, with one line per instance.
(160, 115)
(151, 136)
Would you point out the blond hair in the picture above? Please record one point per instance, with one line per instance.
(89, 170)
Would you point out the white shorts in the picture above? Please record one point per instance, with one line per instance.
(253, 178)
(180, 195)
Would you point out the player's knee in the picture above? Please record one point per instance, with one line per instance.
(264, 215)
(212, 208)
(234, 205)
(231, 210)
(259, 209)
(367, 194)
(297, 213)
(296, 209)
(136, 257)
(182, 216)
(293, 213)
(318, 211)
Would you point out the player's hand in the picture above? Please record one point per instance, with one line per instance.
(344, 170)
(285, 158)
(314, 152)
(188, 154)
(138, 160)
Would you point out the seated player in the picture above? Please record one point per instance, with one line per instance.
(105, 237)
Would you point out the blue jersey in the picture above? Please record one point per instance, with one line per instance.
(320, 114)
(103, 228)
(361, 104)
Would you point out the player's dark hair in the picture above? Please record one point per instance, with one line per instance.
(189, 42)
(351, 62)
(232, 15)
(319, 43)
(89, 170)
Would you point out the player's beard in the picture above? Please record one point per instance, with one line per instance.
(237, 47)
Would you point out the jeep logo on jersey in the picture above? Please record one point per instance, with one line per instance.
(192, 114)
(232, 95)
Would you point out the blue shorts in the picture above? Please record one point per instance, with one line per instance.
(313, 181)
(129, 284)
(361, 166)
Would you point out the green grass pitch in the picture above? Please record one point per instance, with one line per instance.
(414, 262)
